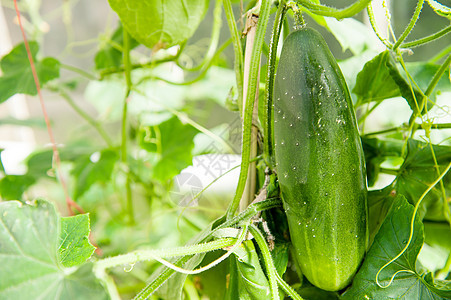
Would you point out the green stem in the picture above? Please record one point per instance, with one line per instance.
(409, 27)
(389, 171)
(191, 81)
(141, 255)
(250, 99)
(298, 18)
(128, 80)
(427, 39)
(217, 23)
(287, 288)
(85, 116)
(401, 128)
(152, 63)
(236, 39)
(437, 76)
(327, 11)
(269, 101)
(372, 19)
(270, 268)
(79, 71)
(389, 130)
(442, 53)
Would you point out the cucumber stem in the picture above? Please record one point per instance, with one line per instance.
(268, 114)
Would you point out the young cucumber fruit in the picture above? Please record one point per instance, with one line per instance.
(320, 162)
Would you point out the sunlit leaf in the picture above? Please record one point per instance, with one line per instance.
(17, 76)
(29, 238)
(388, 243)
(75, 248)
(160, 23)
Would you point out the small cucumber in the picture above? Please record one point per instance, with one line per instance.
(320, 162)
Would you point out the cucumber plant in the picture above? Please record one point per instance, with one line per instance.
(312, 230)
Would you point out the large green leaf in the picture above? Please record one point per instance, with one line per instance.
(390, 240)
(160, 23)
(418, 172)
(75, 248)
(17, 76)
(173, 142)
(29, 239)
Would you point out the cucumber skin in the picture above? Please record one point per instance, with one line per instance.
(319, 162)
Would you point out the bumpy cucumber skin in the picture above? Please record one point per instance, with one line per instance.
(320, 162)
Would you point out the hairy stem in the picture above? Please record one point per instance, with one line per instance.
(269, 101)
(411, 24)
(238, 65)
(427, 39)
(248, 112)
(327, 11)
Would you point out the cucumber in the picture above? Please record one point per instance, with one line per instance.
(319, 162)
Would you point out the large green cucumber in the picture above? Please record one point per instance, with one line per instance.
(320, 162)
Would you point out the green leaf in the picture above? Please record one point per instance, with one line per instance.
(17, 76)
(109, 56)
(89, 170)
(29, 238)
(12, 187)
(173, 142)
(249, 276)
(160, 24)
(374, 82)
(388, 243)
(75, 247)
(380, 79)
(418, 172)
(408, 91)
